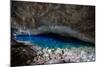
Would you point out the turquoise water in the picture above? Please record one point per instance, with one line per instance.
(52, 41)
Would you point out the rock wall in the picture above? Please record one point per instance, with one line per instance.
(35, 15)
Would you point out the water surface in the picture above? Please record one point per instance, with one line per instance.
(53, 41)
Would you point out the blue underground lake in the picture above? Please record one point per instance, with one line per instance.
(53, 41)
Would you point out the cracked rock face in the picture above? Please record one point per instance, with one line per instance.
(35, 16)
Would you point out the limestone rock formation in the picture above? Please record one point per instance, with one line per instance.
(34, 15)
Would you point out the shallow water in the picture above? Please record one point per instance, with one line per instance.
(52, 41)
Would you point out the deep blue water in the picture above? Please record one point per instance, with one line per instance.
(52, 41)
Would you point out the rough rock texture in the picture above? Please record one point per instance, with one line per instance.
(33, 15)
(77, 21)
(22, 54)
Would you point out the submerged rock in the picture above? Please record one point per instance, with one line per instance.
(22, 54)
(86, 54)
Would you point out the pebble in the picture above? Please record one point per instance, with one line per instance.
(50, 56)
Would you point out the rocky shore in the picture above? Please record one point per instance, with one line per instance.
(33, 55)
(21, 54)
(73, 55)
